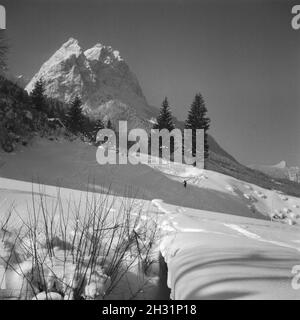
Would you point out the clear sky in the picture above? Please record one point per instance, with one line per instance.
(242, 55)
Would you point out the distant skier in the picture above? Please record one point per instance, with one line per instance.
(184, 183)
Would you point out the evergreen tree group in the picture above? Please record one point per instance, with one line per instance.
(74, 119)
(197, 119)
(43, 108)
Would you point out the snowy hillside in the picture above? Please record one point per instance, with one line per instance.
(216, 235)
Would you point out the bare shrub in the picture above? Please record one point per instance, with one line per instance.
(83, 248)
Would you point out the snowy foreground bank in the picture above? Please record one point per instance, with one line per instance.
(221, 238)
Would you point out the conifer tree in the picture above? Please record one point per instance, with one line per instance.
(38, 98)
(75, 117)
(109, 125)
(197, 119)
(164, 119)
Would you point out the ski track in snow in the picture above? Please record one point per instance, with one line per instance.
(172, 226)
(242, 231)
(158, 204)
(169, 226)
(254, 236)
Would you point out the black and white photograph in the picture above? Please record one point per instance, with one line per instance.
(149, 150)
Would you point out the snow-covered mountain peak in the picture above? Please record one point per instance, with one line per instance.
(97, 75)
(102, 53)
(94, 53)
(72, 42)
(71, 47)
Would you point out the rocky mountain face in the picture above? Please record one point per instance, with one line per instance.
(101, 78)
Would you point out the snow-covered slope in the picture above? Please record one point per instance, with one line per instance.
(216, 235)
(73, 165)
(100, 76)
